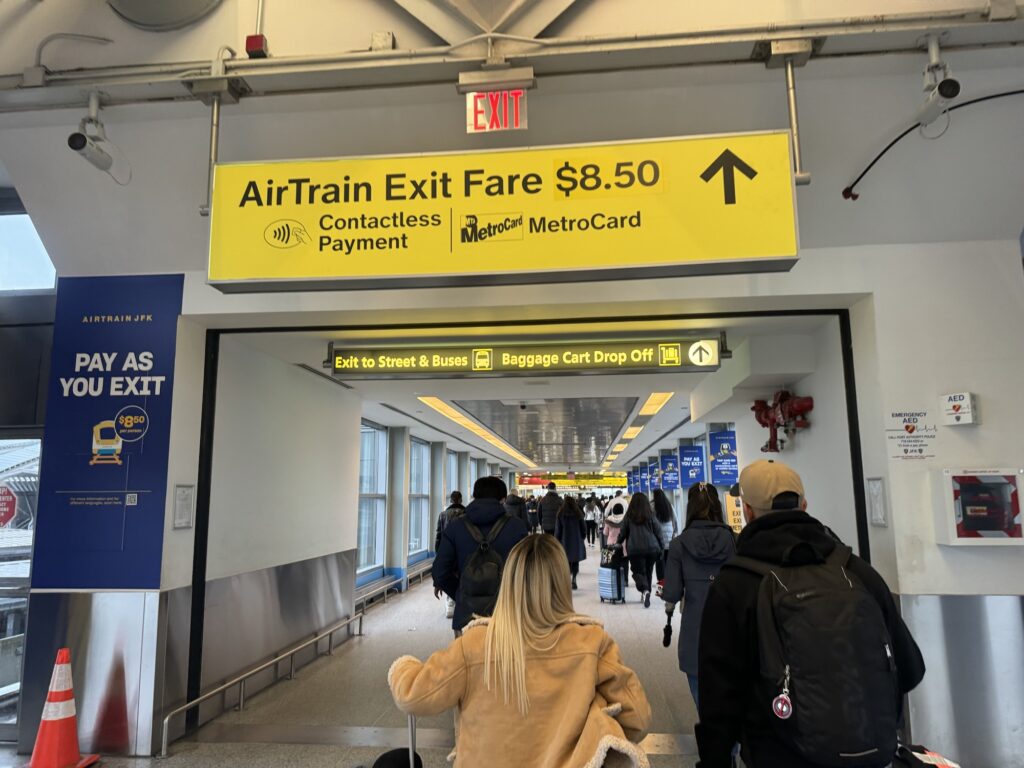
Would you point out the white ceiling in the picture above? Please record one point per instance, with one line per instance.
(395, 402)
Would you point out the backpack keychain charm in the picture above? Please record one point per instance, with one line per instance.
(782, 705)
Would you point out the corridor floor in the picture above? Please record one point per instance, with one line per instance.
(338, 711)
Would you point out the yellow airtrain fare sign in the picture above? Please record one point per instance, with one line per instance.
(709, 205)
(659, 355)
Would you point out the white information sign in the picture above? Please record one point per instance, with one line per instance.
(911, 435)
(957, 408)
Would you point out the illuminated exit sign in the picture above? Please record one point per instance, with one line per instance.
(488, 111)
(651, 355)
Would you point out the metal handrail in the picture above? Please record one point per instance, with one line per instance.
(240, 680)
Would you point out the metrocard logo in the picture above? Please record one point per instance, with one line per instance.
(480, 228)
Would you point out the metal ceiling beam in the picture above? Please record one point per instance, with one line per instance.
(445, 19)
(367, 69)
(528, 18)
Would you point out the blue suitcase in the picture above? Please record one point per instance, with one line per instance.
(611, 583)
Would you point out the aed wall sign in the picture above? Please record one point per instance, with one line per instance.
(666, 356)
(720, 204)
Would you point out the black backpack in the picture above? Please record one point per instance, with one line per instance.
(481, 578)
(828, 673)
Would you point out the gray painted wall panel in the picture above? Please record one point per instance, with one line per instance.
(970, 706)
(250, 618)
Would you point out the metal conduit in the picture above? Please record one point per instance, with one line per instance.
(977, 14)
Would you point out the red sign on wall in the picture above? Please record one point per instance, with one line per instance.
(496, 111)
(8, 505)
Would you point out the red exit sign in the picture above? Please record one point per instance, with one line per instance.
(496, 111)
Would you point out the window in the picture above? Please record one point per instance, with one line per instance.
(419, 496)
(373, 483)
(24, 263)
(452, 475)
(19, 492)
(474, 474)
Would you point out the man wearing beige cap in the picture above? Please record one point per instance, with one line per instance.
(803, 656)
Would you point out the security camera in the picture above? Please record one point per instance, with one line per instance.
(522, 406)
(91, 150)
(939, 85)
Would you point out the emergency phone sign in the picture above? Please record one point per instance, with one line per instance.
(488, 111)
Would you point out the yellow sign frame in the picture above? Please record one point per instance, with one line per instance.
(484, 359)
(651, 208)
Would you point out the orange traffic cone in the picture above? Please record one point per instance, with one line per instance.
(57, 742)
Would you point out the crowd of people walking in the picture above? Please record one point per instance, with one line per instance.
(535, 683)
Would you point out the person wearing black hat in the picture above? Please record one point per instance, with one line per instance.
(780, 552)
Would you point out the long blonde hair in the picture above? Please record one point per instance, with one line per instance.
(534, 599)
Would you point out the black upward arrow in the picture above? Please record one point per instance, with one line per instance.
(702, 352)
(728, 164)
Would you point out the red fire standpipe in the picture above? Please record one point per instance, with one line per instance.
(786, 412)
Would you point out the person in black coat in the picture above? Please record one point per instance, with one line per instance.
(515, 505)
(694, 559)
(458, 545)
(571, 531)
(642, 540)
(779, 532)
(549, 505)
(453, 511)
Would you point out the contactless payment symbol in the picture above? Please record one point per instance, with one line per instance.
(670, 355)
(483, 359)
(286, 233)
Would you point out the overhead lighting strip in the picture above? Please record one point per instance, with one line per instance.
(465, 422)
(655, 402)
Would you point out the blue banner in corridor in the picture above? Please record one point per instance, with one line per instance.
(724, 464)
(104, 465)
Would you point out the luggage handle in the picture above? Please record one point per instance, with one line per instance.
(412, 741)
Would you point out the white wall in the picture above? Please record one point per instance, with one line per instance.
(183, 456)
(820, 454)
(285, 464)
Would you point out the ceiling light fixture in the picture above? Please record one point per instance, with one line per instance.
(655, 403)
(465, 422)
(632, 432)
(499, 79)
(620, 447)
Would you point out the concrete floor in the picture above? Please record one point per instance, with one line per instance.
(338, 711)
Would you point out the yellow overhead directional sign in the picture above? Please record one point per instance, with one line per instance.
(658, 355)
(701, 205)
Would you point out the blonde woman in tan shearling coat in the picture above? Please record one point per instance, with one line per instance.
(536, 685)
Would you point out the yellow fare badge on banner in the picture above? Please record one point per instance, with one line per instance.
(710, 205)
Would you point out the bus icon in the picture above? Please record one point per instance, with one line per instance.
(483, 360)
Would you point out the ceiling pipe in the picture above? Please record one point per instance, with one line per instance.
(802, 177)
(169, 72)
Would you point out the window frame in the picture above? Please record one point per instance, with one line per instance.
(420, 495)
(378, 497)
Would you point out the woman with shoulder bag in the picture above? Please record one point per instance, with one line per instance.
(641, 536)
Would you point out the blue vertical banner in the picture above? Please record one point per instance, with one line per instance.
(670, 473)
(103, 479)
(692, 468)
(724, 464)
(645, 481)
(654, 473)
(629, 482)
